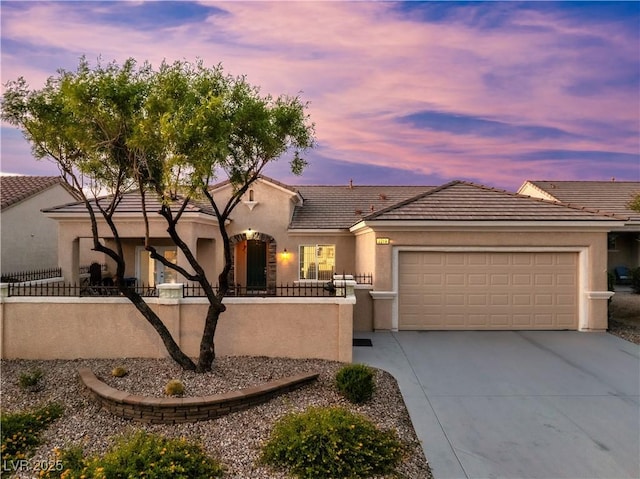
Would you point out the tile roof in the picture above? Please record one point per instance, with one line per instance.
(339, 207)
(131, 203)
(262, 177)
(463, 201)
(609, 196)
(17, 188)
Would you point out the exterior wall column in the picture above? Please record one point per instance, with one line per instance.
(69, 257)
(383, 309)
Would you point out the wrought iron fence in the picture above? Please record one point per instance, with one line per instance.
(77, 289)
(363, 278)
(41, 274)
(284, 290)
(189, 290)
(35, 275)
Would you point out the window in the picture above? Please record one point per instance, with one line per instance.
(317, 262)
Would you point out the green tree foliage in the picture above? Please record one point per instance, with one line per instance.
(634, 204)
(168, 132)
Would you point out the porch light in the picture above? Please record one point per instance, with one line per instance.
(285, 254)
(383, 240)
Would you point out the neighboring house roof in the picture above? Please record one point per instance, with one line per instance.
(339, 207)
(609, 196)
(14, 189)
(463, 201)
(130, 203)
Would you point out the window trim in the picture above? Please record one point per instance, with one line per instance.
(330, 256)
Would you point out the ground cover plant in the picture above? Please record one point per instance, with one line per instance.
(31, 380)
(20, 432)
(331, 442)
(140, 454)
(356, 382)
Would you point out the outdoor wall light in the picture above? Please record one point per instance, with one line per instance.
(285, 254)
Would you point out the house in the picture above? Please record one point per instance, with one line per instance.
(623, 243)
(457, 256)
(29, 239)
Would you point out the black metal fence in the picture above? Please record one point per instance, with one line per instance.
(189, 290)
(73, 290)
(309, 290)
(363, 278)
(35, 275)
(41, 274)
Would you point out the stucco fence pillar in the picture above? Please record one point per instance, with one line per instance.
(111, 327)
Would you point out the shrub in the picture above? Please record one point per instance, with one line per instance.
(331, 442)
(119, 372)
(20, 431)
(356, 382)
(140, 454)
(174, 388)
(31, 380)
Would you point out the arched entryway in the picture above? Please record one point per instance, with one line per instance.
(253, 257)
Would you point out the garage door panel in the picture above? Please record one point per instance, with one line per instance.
(453, 300)
(477, 279)
(487, 290)
(519, 279)
(499, 279)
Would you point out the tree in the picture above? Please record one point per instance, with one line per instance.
(634, 204)
(167, 133)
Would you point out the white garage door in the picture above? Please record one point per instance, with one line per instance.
(487, 290)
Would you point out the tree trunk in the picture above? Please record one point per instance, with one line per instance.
(172, 347)
(207, 345)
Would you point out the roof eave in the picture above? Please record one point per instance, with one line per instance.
(604, 224)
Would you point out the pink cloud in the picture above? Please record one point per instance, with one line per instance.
(362, 65)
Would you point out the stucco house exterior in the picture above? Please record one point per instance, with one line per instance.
(607, 196)
(29, 239)
(457, 256)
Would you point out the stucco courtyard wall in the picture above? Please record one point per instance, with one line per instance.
(71, 328)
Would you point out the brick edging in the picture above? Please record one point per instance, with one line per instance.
(173, 410)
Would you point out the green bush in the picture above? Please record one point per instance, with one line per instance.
(174, 388)
(20, 432)
(138, 455)
(356, 382)
(31, 380)
(331, 442)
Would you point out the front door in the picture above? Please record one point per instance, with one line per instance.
(256, 265)
(152, 272)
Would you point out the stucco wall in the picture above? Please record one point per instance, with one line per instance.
(30, 239)
(592, 245)
(69, 328)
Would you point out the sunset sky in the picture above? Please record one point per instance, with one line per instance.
(400, 93)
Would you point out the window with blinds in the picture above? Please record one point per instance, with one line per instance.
(317, 262)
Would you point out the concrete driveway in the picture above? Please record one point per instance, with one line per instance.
(508, 404)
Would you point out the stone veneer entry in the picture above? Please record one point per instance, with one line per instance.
(191, 409)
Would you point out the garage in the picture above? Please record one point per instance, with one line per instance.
(487, 290)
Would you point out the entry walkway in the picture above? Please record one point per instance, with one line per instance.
(509, 404)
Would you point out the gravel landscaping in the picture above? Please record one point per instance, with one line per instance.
(625, 316)
(234, 439)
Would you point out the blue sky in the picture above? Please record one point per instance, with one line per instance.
(401, 93)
